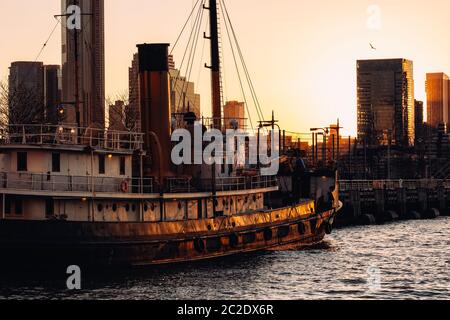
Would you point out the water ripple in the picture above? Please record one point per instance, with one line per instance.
(404, 260)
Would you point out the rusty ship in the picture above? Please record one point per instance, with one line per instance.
(103, 198)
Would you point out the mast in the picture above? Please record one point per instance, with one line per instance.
(77, 79)
(215, 65)
(215, 84)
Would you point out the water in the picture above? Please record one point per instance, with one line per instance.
(405, 260)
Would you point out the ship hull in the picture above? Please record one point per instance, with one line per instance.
(34, 244)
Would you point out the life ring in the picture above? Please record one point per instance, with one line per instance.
(124, 186)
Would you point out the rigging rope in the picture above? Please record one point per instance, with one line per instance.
(48, 39)
(239, 75)
(247, 73)
(184, 27)
(195, 32)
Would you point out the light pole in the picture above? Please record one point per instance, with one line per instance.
(325, 132)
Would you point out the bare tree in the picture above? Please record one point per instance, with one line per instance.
(20, 105)
(121, 115)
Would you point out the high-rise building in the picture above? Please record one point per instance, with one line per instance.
(83, 64)
(234, 115)
(183, 96)
(171, 62)
(26, 93)
(438, 99)
(34, 93)
(52, 93)
(134, 95)
(419, 120)
(385, 100)
(117, 114)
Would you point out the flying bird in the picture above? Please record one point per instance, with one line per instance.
(372, 47)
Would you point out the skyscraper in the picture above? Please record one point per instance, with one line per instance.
(26, 93)
(34, 93)
(385, 101)
(418, 122)
(134, 96)
(438, 99)
(183, 96)
(52, 93)
(83, 64)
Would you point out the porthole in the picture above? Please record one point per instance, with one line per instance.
(100, 207)
(114, 207)
(127, 207)
(145, 207)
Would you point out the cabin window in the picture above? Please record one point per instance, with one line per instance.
(56, 162)
(122, 166)
(49, 208)
(22, 161)
(101, 164)
(19, 207)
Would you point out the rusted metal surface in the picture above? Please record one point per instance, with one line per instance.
(120, 244)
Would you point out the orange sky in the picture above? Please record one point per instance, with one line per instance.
(301, 54)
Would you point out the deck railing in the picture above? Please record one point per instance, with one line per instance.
(88, 184)
(361, 185)
(70, 136)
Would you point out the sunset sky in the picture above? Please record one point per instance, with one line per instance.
(301, 54)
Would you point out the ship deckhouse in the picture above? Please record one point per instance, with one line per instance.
(79, 174)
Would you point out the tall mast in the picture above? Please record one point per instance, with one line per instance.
(77, 78)
(215, 65)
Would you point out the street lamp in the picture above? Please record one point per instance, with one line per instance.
(325, 132)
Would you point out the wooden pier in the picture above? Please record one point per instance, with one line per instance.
(378, 201)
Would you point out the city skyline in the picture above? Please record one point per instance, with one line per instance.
(282, 84)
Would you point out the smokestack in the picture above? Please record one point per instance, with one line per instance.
(155, 107)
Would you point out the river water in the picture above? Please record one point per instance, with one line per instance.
(404, 260)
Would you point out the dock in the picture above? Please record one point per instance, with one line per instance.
(379, 201)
